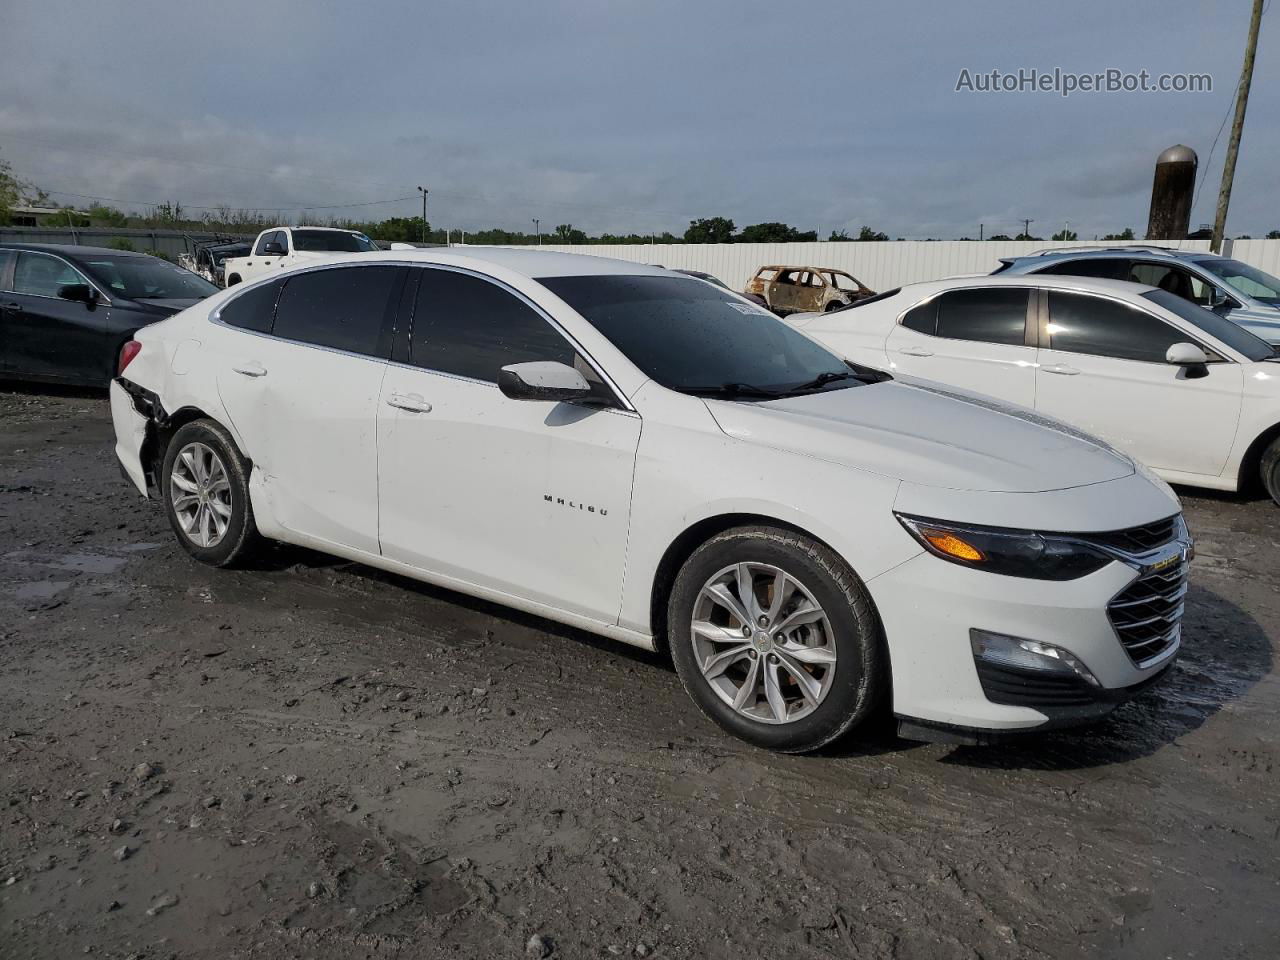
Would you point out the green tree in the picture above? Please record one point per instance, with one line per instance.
(774, 233)
(1274, 235)
(1125, 234)
(1000, 236)
(709, 230)
(108, 216)
(866, 234)
(566, 233)
(839, 236)
(1065, 235)
(11, 190)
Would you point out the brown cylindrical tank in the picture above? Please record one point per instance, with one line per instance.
(1171, 194)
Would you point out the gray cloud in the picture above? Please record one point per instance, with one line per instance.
(628, 116)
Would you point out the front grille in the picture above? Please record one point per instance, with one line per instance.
(1146, 614)
(1138, 539)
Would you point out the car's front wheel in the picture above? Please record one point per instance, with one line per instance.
(205, 485)
(1271, 470)
(775, 638)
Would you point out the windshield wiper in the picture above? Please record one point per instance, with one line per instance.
(822, 379)
(735, 390)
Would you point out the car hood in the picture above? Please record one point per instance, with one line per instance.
(1261, 321)
(923, 433)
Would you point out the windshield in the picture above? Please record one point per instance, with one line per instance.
(332, 241)
(147, 278)
(1234, 336)
(1250, 281)
(697, 338)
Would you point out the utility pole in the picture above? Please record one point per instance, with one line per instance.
(1237, 128)
(1026, 226)
(424, 213)
(981, 228)
(537, 227)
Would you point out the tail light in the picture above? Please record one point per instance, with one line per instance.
(127, 353)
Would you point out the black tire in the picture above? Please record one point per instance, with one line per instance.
(860, 680)
(241, 540)
(1270, 469)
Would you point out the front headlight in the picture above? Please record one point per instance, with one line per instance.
(1013, 553)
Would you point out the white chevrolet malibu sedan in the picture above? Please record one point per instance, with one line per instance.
(1189, 393)
(649, 457)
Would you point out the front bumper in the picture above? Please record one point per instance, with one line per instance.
(929, 607)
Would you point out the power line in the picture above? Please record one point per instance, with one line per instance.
(221, 206)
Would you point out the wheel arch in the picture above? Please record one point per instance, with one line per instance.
(686, 542)
(1249, 478)
(161, 430)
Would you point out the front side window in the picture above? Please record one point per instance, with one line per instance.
(332, 241)
(1250, 281)
(466, 326)
(344, 308)
(1107, 328)
(147, 278)
(1233, 335)
(989, 316)
(40, 275)
(6, 258)
(695, 338)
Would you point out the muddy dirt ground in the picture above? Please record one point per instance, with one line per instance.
(317, 759)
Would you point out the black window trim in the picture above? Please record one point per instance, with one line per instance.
(624, 405)
(1028, 320)
(1223, 353)
(103, 299)
(403, 327)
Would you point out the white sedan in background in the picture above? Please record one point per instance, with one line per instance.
(652, 458)
(1188, 393)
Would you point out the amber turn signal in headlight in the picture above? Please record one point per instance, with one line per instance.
(1013, 553)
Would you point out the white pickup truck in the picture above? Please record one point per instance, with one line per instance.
(279, 247)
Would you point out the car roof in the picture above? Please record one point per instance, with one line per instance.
(1109, 253)
(71, 249)
(526, 261)
(1039, 280)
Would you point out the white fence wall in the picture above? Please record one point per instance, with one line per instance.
(881, 266)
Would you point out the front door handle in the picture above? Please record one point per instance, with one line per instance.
(412, 402)
(1061, 369)
(250, 368)
(916, 352)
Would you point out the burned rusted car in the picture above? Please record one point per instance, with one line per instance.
(790, 289)
(209, 258)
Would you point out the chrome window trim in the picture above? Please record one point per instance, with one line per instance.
(216, 317)
(103, 299)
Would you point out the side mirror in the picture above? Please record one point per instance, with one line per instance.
(1186, 355)
(273, 249)
(542, 380)
(1217, 299)
(78, 292)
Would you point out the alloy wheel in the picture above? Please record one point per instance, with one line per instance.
(201, 494)
(763, 643)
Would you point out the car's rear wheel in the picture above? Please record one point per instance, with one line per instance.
(1271, 470)
(205, 486)
(775, 638)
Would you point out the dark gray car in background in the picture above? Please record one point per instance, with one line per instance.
(65, 311)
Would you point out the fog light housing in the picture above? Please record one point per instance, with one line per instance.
(1027, 656)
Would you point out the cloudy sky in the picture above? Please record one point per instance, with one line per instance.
(633, 114)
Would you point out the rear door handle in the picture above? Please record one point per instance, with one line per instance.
(916, 352)
(1061, 369)
(250, 368)
(412, 402)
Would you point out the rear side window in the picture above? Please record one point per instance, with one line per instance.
(472, 328)
(923, 318)
(1106, 328)
(990, 316)
(344, 308)
(6, 260)
(1107, 268)
(254, 309)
